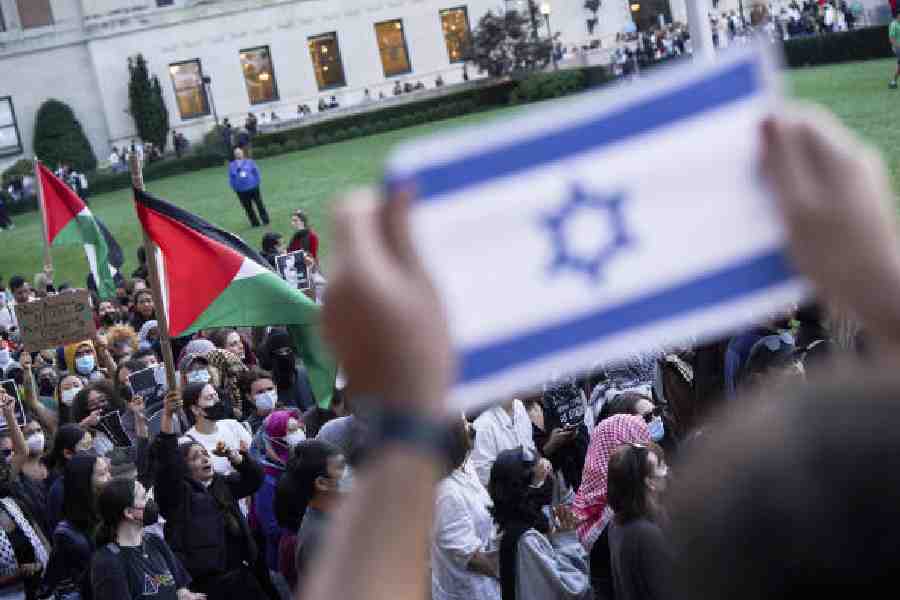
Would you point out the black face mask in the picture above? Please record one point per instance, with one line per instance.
(110, 319)
(123, 300)
(216, 412)
(151, 513)
(125, 393)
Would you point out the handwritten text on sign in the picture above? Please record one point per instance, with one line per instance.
(56, 321)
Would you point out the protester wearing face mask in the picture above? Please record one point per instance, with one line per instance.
(108, 314)
(591, 499)
(93, 402)
(638, 404)
(536, 562)
(131, 558)
(123, 342)
(277, 356)
(67, 573)
(195, 368)
(66, 391)
(463, 565)
(307, 496)
(211, 429)
(204, 525)
(283, 432)
(81, 360)
(23, 546)
(262, 397)
(642, 561)
(148, 336)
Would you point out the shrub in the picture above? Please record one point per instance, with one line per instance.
(21, 167)
(59, 138)
(100, 183)
(354, 132)
(261, 152)
(275, 149)
(542, 86)
(859, 44)
(292, 145)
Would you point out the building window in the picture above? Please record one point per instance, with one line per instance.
(455, 23)
(392, 45)
(10, 142)
(326, 60)
(2, 22)
(165, 2)
(34, 13)
(190, 93)
(259, 75)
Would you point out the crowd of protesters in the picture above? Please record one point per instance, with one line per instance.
(728, 468)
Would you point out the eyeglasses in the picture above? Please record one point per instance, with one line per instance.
(652, 414)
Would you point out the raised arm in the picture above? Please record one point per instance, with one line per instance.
(20, 448)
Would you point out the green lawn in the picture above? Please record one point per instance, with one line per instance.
(856, 92)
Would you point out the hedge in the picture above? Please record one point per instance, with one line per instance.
(99, 183)
(859, 44)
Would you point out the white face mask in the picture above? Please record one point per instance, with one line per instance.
(265, 401)
(292, 439)
(199, 376)
(68, 396)
(36, 442)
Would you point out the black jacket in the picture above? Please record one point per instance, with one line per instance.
(204, 525)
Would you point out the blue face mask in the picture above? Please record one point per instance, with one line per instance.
(657, 429)
(85, 364)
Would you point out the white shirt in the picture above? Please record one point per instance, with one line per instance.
(227, 430)
(462, 526)
(8, 314)
(113, 159)
(496, 432)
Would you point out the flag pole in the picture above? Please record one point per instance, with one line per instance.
(137, 181)
(38, 180)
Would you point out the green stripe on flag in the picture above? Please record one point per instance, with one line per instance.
(83, 229)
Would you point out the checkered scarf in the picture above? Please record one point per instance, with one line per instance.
(8, 563)
(590, 502)
(230, 369)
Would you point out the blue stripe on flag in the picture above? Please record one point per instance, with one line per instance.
(746, 277)
(730, 85)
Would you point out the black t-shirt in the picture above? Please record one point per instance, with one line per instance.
(149, 571)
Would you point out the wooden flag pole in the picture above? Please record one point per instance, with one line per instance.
(137, 181)
(48, 260)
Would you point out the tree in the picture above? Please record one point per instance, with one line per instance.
(501, 45)
(594, 7)
(146, 104)
(59, 138)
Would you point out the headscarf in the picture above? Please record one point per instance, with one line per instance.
(143, 335)
(70, 350)
(590, 505)
(276, 428)
(194, 347)
(230, 367)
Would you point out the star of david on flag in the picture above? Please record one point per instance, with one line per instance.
(596, 227)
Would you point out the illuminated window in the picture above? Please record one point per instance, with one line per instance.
(326, 60)
(34, 13)
(455, 22)
(259, 75)
(190, 93)
(165, 2)
(392, 46)
(10, 143)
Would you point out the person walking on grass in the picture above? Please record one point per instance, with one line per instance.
(894, 35)
(244, 178)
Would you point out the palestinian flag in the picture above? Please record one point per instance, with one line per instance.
(68, 220)
(212, 278)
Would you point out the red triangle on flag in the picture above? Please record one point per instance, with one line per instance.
(61, 203)
(198, 268)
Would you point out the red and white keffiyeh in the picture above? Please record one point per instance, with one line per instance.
(590, 501)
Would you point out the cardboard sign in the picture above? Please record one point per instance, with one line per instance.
(9, 386)
(56, 321)
(292, 268)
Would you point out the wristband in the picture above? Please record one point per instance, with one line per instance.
(396, 427)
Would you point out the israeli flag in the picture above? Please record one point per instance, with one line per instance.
(600, 226)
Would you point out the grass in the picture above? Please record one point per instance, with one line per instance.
(856, 92)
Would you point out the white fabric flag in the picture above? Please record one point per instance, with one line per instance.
(602, 225)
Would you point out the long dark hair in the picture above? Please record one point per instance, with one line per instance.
(80, 406)
(66, 438)
(79, 504)
(509, 488)
(629, 496)
(117, 495)
(190, 395)
(308, 462)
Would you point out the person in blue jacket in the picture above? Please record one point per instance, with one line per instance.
(244, 178)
